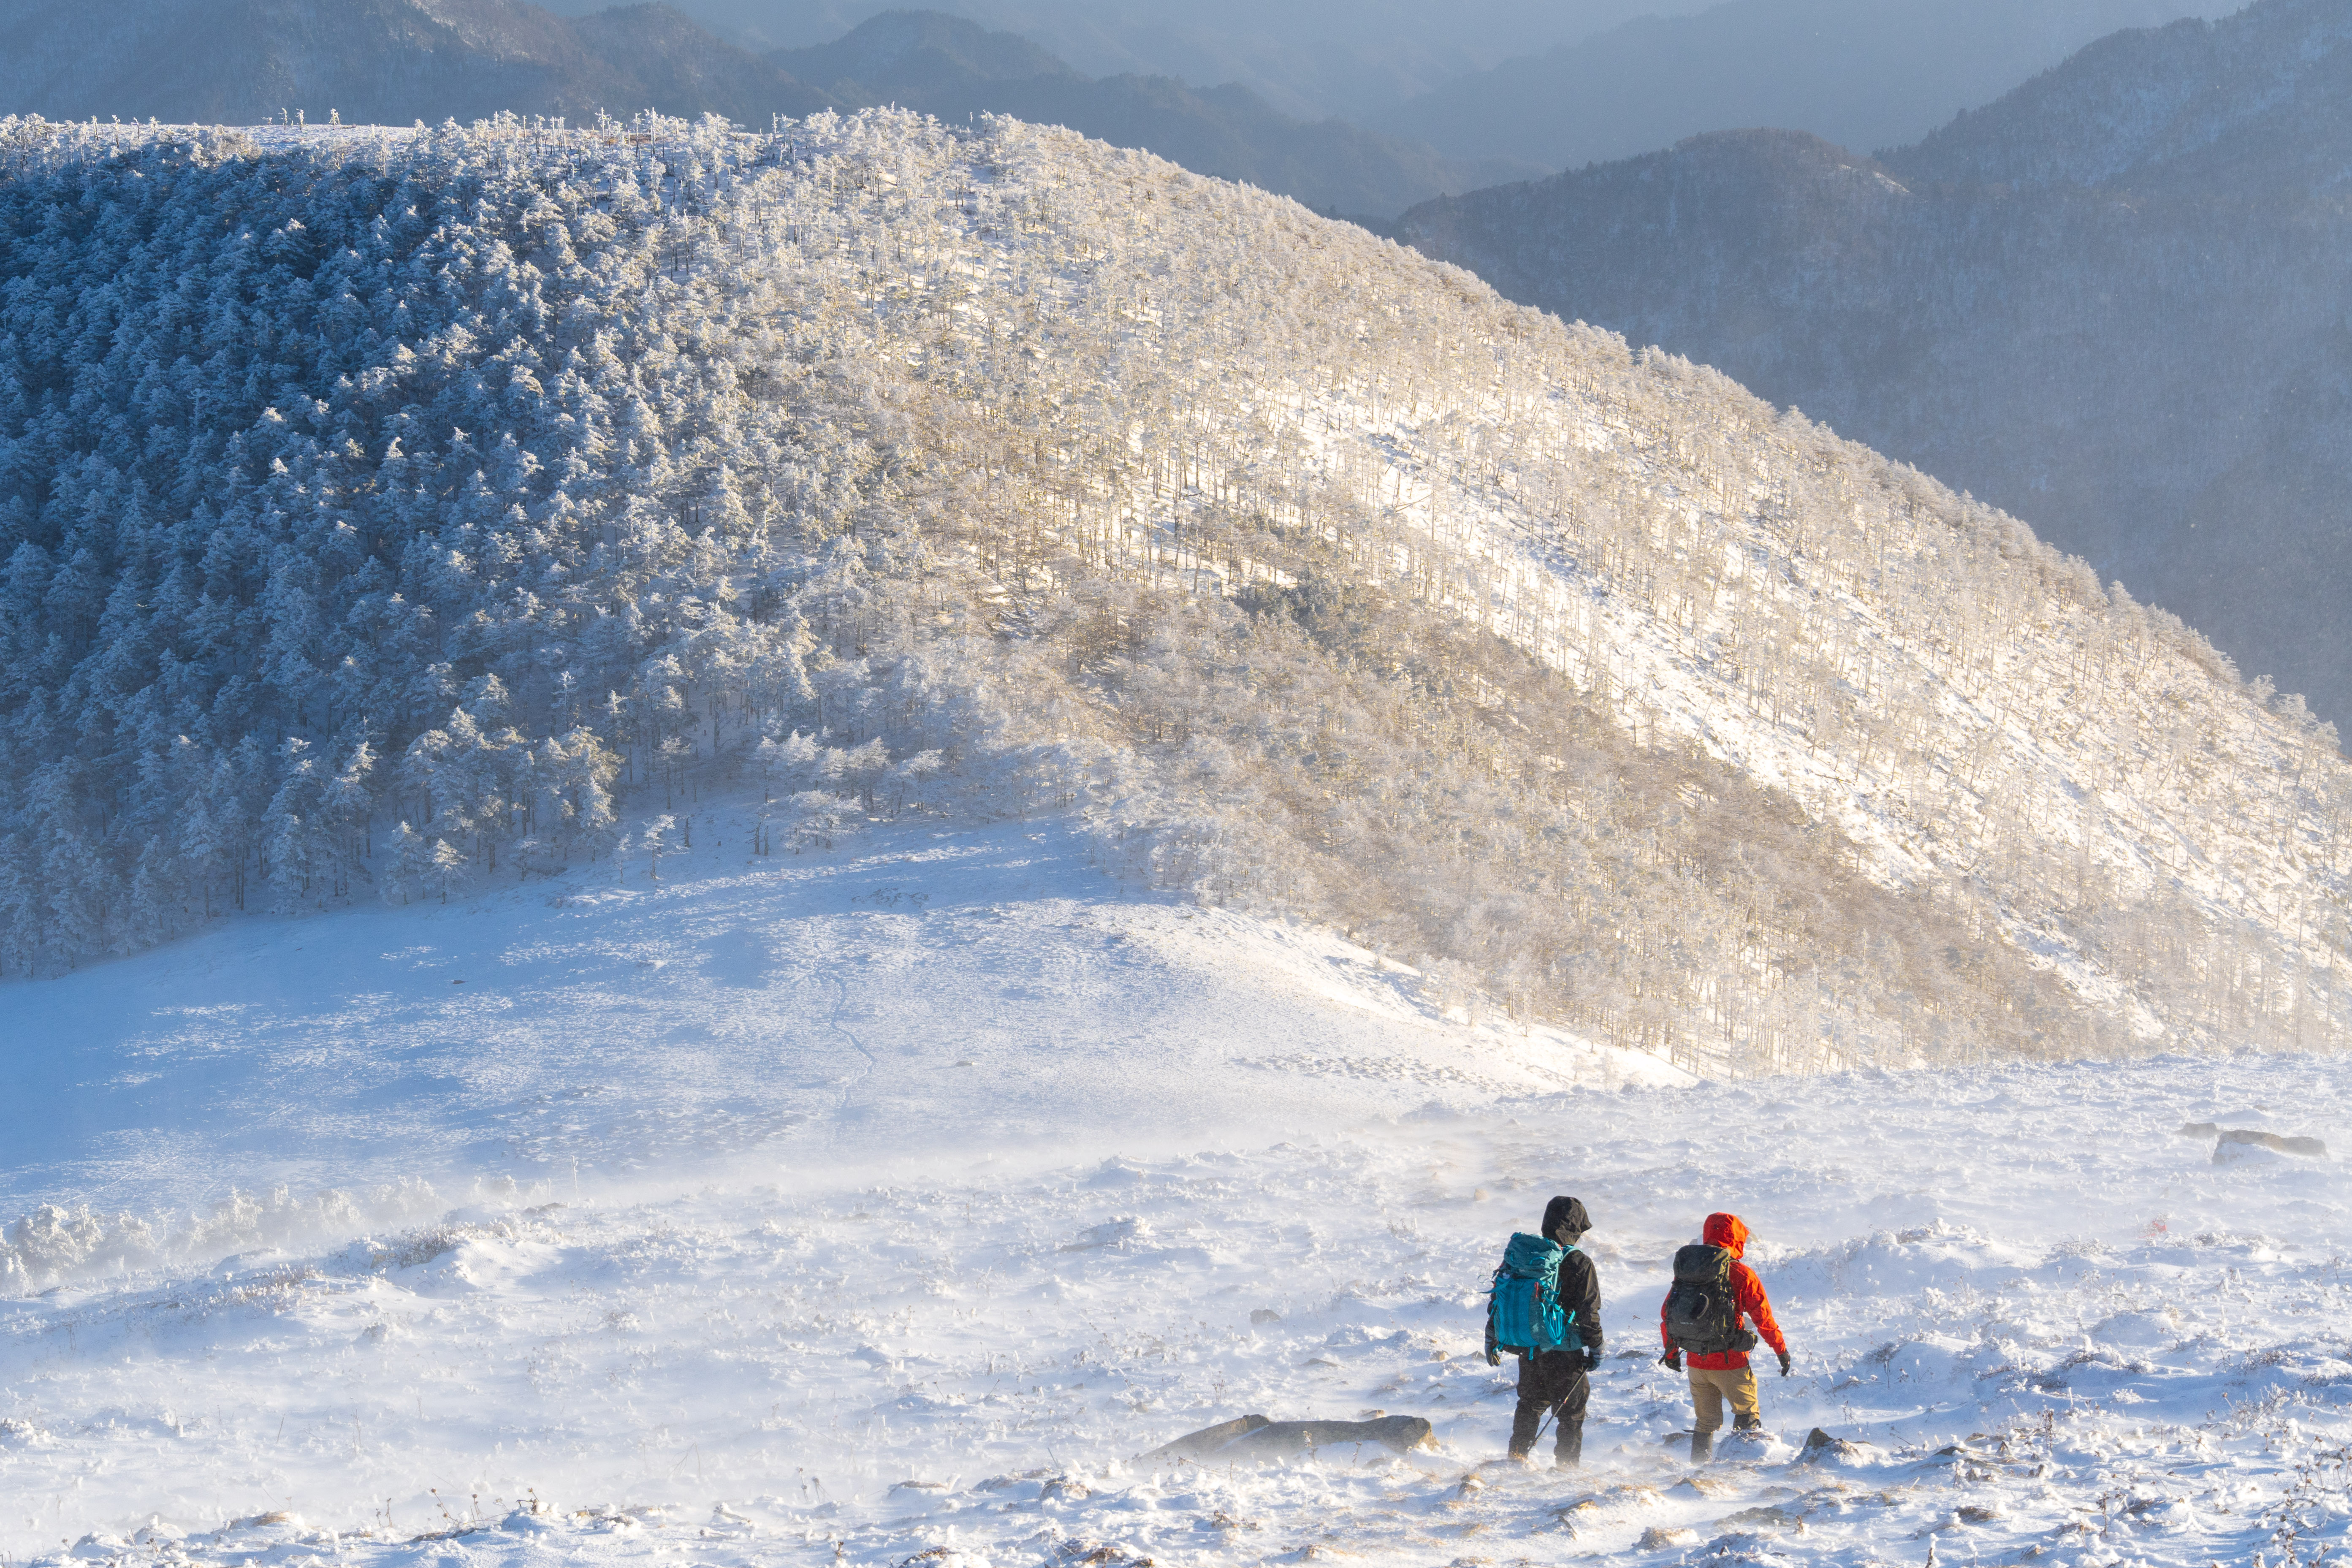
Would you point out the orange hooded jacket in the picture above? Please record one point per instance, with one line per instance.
(1724, 1230)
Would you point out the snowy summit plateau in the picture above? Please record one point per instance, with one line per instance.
(770, 846)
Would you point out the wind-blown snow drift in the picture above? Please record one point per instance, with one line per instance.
(887, 1205)
(458, 482)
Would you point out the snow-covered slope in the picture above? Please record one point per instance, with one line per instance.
(818, 1008)
(524, 473)
(727, 1254)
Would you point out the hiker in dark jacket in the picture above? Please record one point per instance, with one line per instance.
(1558, 1381)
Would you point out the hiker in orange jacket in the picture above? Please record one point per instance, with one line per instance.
(1717, 1375)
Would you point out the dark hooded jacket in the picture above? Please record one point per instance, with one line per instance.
(1580, 1282)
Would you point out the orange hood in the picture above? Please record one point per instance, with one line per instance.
(1724, 1230)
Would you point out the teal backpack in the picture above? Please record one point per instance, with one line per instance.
(1524, 1305)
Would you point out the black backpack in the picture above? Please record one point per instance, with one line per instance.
(1702, 1311)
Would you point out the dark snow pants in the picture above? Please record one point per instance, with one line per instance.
(1551, 1381)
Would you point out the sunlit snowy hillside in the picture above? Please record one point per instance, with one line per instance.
(386, 516)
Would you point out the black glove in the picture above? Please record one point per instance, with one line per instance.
(1591, 1361)
(1784, 1362)
(1671, 1361)
(1494, 1360)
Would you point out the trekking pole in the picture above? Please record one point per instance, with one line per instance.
(1549, 1415)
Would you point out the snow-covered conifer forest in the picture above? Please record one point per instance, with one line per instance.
(390, 516)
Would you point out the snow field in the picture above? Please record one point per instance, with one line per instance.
(597, 1024)
(770, 1294)
(828, 1360)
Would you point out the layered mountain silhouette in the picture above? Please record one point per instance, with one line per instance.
(397, 61)
(2260, 104)
(955, 68)
(1865, 73)
(2111, 302)
(1308, 58)
(384, 61)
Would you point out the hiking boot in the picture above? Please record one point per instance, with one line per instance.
(1702, 1447)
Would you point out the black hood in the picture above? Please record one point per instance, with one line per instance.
(1566, 1211)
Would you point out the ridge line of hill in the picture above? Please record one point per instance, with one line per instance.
(915, 468)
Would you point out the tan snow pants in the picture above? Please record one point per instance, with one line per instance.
(1710, 1389)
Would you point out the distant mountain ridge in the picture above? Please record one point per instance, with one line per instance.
(373, 61)
(397, 61)
(1865, 73)
(2155, 370)
(954, 68)
(911, 49)
(1309, 59)
(2263, 95)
